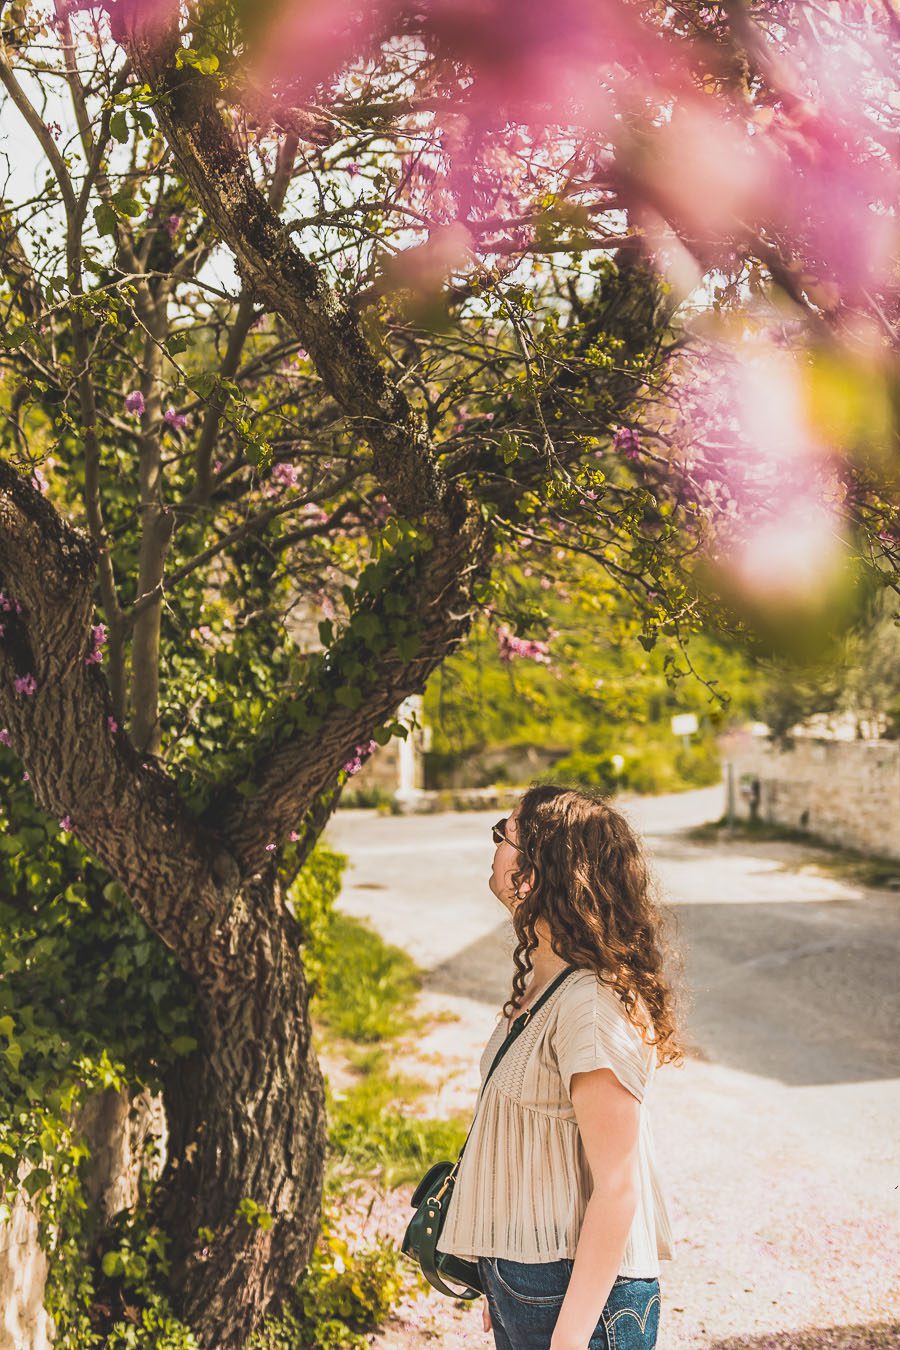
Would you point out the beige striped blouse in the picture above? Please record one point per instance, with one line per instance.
(524, 1180)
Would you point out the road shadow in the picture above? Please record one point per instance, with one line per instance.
(861, 1336)
(790, 992)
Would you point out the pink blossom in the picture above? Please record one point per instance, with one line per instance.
(628, 442)
(360, 756)
(98, 639)
(5, 738)
(293, 836)
(176, 420)
(134, 403)
(314, 515)
(55, 130)
(353, 168)
(511, 646)
(112, 725)
(10, 605)
(218, 465)
(39, 479)
(66, 824)
(25, 684)
(284, 474)
(270, 848)
(173, 224)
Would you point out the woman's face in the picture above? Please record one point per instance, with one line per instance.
(506, 859)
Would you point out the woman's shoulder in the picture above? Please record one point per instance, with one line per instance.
(587, 993)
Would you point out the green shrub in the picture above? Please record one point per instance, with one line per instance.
(311, 898)
(583, 769)
(343, 1294)
(381, 798)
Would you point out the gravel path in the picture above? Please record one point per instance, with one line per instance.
(775, 1137)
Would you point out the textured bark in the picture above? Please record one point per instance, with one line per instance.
(246, 1119)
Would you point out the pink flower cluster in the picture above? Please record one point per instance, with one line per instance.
(360, 756)
(98, 641)
(134, 403)
(628, 442)
(5, 738)
(285, 475)
(530, 649)
(176, 420)
(25, 684)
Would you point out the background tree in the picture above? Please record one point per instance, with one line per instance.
(336, 305)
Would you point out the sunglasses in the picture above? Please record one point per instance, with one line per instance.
(499, 835)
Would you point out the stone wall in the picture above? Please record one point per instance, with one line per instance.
(847, 792)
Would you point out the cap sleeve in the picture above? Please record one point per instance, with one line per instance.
(593, 1032)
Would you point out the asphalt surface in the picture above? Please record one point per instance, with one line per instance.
(777, 1137)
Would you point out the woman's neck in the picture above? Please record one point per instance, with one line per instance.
(545, 964)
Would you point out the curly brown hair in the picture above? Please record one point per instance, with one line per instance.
(591, 885)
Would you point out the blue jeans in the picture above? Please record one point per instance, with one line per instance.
(525, 1301)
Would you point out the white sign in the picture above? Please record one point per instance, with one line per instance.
(685, 724)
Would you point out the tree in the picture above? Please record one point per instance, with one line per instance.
(451, 334)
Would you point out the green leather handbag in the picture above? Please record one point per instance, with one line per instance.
(431, 1198)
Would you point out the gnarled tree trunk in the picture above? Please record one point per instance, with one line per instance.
(247, 1122)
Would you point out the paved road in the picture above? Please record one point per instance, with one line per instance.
(778, 1136)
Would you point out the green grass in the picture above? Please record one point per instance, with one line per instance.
(369, 988)
(372, 1134)
(365, 1004)
(845, 863)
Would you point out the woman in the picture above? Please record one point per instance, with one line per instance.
(557, 1195)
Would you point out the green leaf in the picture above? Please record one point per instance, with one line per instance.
(112, 1265)
(105, 219)
(183, 1045)
(7, 1026)
(38, 1179)
(118, 126)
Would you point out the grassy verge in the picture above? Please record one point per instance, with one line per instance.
(366, 1005)
(847, 864)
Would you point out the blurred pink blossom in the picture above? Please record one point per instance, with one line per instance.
(25, 685)
(628, 442)
(529, 649)
(134, 403)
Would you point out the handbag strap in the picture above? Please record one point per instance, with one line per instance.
(515, 1031)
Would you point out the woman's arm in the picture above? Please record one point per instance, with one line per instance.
(608, 1118)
